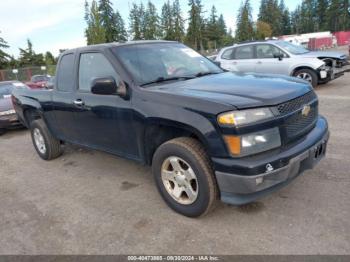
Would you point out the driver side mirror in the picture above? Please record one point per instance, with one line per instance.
(108, 86)
(279, 56)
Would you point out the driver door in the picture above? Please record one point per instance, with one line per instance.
(103, 121)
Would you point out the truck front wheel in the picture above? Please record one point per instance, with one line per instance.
(184, 176)
(45, 144)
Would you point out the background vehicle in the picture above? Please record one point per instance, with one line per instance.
(38, 81)
(8, 117)
(50, 83)
(281, 57)
(207, 133)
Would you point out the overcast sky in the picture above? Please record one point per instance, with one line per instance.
(59, 24)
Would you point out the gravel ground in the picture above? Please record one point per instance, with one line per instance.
(88, 202)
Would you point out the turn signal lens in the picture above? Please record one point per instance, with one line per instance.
(226, 119)
(233, 144)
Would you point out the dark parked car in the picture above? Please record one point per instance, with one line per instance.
(207, 133)
(8, 117)
(38, 81)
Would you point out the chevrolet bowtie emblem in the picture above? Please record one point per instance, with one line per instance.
(306, 110)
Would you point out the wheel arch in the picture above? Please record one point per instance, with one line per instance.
(160, 131)
(31, 113)
(300, 68)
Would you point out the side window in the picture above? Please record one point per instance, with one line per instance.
(244, 52)
(227, 54)
(65, 73)
(267, 51)
(91, 66)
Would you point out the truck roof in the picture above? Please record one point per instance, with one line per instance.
(113, 44)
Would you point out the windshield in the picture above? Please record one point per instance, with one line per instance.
(6, 88)
(40, 78)
(153, 63)
(291, 48)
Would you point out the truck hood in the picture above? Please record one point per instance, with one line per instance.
(5, 104)
(322, 54)
(238, 89)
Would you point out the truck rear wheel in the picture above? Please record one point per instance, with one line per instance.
(184, 176)
(307, 75)
(45, 144)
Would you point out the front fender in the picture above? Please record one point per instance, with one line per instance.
(313, 64)
(197, 123)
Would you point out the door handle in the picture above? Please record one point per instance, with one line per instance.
(78, 102)
(259, 62)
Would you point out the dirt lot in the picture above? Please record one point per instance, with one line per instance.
(88, 202)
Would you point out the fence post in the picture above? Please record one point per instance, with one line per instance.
(2, 77)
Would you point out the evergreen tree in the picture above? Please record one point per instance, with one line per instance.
(151, 22)
(27, 57)
(120, 26)
(179, 28)
(308, 16)
(13, 63)
(285, 19)
(338, 15)
(296, 25)
(225, 36)
(49, 58)
(321, 9)
(142, 15)
(270, 13)
(212, 29)
(195, 25)
(4, 57)
(135, 22)
(95, 32)
(108, 19)
(167, 22)
(244, 29)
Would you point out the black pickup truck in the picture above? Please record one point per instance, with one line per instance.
(207, 133)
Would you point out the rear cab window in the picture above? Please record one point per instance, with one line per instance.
(65, 73)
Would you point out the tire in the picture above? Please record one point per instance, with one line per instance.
(45, 144)
(308, 75)
(190, 156)
(2, 131)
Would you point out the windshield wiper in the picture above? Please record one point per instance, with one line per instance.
(165, 79)
(200, 74)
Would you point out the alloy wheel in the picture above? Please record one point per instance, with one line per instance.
(179, 180)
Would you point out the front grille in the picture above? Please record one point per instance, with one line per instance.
(295, 123)
(295, 104)
(298, 124)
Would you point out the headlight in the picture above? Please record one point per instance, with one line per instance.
(8, 112)
(253, 143)
(238, 118)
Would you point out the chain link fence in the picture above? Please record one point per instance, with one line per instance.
(24, 74)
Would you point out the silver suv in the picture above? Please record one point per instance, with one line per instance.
(281, 57)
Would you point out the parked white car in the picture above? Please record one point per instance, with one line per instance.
(281, 57)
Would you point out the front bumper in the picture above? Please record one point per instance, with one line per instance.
(9, 122)
(251, 183)
(337, 72)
